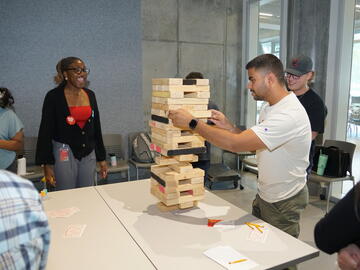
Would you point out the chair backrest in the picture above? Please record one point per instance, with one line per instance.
(345, 146)
(113, 144)
(29, 150)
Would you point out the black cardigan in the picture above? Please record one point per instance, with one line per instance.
(54, 127)
(340, 227)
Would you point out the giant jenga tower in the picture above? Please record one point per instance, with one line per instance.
(174, 181)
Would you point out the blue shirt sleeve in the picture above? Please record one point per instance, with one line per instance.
(14, 124)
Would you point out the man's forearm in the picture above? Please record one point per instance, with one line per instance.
(230, 140)
(11, 145)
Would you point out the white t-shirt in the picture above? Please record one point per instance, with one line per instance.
(285, 130)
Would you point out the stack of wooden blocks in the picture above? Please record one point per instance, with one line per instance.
(174, 181)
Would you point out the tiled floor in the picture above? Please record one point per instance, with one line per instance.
(313, 213)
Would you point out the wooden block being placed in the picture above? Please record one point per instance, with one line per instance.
(168, 81)
(167, 107)
(182, 88)
(180, 100)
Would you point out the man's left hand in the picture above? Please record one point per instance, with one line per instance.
(180, 118)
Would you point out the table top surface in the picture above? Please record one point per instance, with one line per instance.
(105, 243)
(177, 239)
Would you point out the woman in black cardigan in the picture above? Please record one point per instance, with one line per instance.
(339, 231)
(70, 135)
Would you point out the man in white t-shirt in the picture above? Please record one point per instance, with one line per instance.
(281, 139)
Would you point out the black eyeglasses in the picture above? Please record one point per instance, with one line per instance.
(79, 70)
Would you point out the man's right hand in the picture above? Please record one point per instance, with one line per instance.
(220, 120)
(49, 175)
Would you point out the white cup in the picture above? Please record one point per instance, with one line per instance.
(21, 166)
(113, 161)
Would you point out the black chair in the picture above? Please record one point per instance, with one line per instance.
(346, 147)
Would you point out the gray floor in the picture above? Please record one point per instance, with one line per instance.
(313, 213)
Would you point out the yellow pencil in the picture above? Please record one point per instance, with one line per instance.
(238, 261)
(249, 225)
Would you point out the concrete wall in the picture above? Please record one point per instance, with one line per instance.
(194, 35)
(308, 33)
(35, 35)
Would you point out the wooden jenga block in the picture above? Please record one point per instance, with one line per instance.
(196, 82)
(178, 145)
(168, 81)
(197, 95)
(180, 100)
(162, 160)
(189, 158)
(181, 167)
(166, 174)
(191, 107)
(179, 94)
(174, 152)
(195, 114)
(183, 88)
(156, 124)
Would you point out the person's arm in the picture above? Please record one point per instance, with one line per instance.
(44, 148)
(99, 144)
(221, 121)
(339, 227)
(244, 141)
(16, 143)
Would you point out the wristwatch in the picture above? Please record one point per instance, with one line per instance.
(193, 123)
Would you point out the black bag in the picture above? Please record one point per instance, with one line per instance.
(141, 151)
(338, 163)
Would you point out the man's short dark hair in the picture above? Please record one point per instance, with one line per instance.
(270, 63)
(194, 75)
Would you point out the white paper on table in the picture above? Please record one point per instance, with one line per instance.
(213, 211)
(62, 213)
(230, 224)
(74, 231)
(225, 254)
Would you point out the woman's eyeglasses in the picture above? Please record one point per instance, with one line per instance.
(79, 70)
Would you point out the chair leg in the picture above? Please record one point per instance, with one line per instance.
(328, 198)
(96, 180)
(128, 174)
(137, 173)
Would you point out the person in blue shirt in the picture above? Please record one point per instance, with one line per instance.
(11, 131)
(24, 228)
